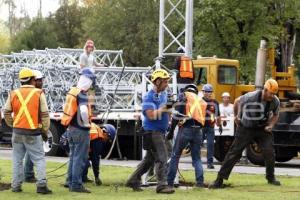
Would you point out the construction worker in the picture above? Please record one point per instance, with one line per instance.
(191, 119)
(87, 59)
(155, 122)
(212, 117)
(255, 114)
(226, 108)
(76, 117)
(185, 69)
(100, 137)
(28, 164)
(30, 125)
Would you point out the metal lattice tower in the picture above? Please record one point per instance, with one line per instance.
(169, 8)
(61, 70)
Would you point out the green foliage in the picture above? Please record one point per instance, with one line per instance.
(131, 25)
(233, 29)
(4, 38)
(39, 35)
(67, 25)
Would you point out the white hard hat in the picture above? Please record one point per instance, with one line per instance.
(225, 94)
(38, 74)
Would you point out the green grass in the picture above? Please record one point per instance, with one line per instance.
(243, 187)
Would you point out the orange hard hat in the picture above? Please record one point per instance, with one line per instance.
(271, 85)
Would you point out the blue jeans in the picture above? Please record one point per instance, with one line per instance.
(97, 148)
(28, 167)
(79, 141)
(209, 135)
(33, 145)
(192, 136)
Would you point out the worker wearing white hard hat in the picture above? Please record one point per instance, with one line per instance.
(38, 79)
(226, 108)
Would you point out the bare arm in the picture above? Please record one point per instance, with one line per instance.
(7, 113)
(236, 111)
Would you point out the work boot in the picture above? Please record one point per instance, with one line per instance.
(80, 190)
(86, 180)
(217, 184)
(30, 180)
(134, 186)
(273, 181)
(98, 181)
(165, 189)
(202, 185)
(17, 189)
(210, 166)
(43, 190)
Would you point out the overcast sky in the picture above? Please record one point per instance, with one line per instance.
(31, 6)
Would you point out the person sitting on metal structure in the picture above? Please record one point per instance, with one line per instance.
(28, 164)
(30, 123)
(100, 137)
(191, 119)
(76, 116)
(155, 122)
(212, 117)
(255, 114)
(87, 59)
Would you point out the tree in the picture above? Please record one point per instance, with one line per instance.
(233, 29)
(4, 38)
(67, 23)
(38, 35)
(131, 25)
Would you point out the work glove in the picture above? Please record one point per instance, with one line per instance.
(45, 137)
(220, 130)
(170, 135)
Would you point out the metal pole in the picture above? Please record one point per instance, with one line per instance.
(161, 31)
(189, 28)
(261, 62)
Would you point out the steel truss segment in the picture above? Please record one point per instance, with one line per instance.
(61, 71)
(165, 30)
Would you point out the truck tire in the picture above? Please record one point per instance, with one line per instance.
(254, 154)
(51, 147)
(222, 146)
(284, 154)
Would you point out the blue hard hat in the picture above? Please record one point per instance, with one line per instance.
(110, 130)
(88, 73)
(207, 88)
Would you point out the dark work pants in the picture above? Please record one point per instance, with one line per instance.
(97, 148)
(158, 155)
(244, 137)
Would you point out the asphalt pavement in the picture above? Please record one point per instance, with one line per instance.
(291, 168)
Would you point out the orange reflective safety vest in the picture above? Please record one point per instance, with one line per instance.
(25, 103)
(96, 132)
(195, 107)
(186, 67)
(71, 106)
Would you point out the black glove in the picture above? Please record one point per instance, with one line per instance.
(220, 130)
(170, 135)
(45, 137)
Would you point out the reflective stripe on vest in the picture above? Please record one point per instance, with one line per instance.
(96, 132)
(186, 67)
(26, 114)
(70, 107)
(195, 107)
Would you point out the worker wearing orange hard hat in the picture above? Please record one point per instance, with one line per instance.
(255, 113)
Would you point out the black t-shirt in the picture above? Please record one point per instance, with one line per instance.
(212, 111)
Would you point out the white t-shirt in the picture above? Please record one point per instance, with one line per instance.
(87, 60)
(226, 110)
